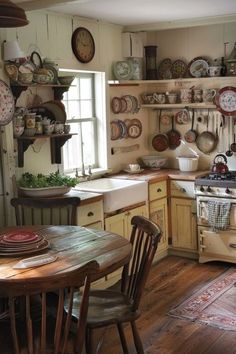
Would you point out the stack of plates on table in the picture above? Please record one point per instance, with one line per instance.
(20, 242)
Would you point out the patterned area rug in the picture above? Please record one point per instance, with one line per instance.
(214, 304)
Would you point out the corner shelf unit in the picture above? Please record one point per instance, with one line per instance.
(56, 141)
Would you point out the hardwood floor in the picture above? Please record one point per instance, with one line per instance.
(171, 281)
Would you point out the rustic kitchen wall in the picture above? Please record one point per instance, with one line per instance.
(186, 44)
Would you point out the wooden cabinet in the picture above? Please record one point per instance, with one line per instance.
(158, 212)
(183, 216)
(91, 215)
(121, 225)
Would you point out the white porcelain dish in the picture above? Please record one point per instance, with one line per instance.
(45, 192)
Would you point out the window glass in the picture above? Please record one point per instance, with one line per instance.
(79, 103)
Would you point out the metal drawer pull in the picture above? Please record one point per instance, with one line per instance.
(183, 190)
(159, 190)
(90, 213)
(232, 245)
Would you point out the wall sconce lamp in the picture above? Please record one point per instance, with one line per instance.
(11, 15)
(12, 51)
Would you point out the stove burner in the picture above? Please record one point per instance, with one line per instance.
(227, 179)
(229, 176)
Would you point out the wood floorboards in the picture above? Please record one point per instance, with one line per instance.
(171, 281)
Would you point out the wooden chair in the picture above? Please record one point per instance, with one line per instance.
(107, 307)
(45, 334)
(45, 211)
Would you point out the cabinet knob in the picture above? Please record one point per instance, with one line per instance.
(159, 190)
(90, 213)
(232, 245)
(183, 190)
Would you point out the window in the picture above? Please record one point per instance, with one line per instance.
(85, 108)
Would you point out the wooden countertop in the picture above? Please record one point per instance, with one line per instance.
(85, 197)
(152, 176)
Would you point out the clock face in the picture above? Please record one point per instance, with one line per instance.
(83, 45)
(226, 101)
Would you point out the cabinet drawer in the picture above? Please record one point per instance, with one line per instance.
(157, 190)
(89, 214)
(183, 189)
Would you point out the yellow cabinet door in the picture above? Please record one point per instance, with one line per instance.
(121, 225)
(183, 222)
(159, 214)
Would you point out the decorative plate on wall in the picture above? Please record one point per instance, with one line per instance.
(198, 67)
(178, 69)
(7, 104)
(226, 100)
(123, 70)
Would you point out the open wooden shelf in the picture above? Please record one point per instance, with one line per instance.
(56, 140)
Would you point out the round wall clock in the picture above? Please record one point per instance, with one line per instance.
(226, 100)
(83, 45)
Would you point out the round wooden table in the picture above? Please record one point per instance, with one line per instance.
(73, 245)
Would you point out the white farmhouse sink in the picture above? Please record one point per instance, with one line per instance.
(118, 193)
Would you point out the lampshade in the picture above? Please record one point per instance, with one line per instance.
(12, 51)
(11, 15)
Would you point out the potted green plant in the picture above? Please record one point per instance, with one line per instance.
(41, 185)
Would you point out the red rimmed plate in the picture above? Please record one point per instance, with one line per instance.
(19, 236)
(4, 243)
(19, 252)
(226, 100)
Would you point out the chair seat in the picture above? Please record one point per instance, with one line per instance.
(106, 307)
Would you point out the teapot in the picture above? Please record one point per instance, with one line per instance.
(220, 164)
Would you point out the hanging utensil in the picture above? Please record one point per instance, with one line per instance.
(229, 153)
(206, 142)
(233, 145)
(174, 137)
(160, 141)
(191, 135)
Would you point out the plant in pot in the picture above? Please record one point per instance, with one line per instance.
(41, 185)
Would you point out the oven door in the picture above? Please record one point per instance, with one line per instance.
(216, 245)
(202, 210)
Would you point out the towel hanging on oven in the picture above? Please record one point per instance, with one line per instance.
(218, 214)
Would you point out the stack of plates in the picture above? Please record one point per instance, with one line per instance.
(21, 242)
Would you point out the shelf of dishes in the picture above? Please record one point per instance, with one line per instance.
(201, 105)
(56, 140)
(205, 80)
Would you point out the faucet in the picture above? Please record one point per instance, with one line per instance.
(83, 175)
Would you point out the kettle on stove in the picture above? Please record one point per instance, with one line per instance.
(220, 164)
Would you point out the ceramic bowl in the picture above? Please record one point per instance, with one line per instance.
(25, 78)
(41, 78)
(66, 80)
